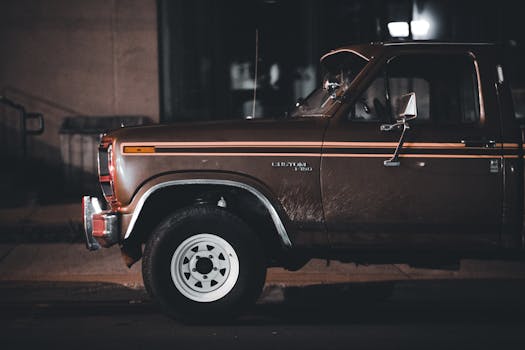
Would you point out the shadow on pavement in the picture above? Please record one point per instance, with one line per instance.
(421, 302)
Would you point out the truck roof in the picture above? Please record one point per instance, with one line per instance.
(367, 51)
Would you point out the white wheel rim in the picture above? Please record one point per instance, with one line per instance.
(204, 267)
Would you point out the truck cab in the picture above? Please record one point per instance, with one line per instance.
(458, 180)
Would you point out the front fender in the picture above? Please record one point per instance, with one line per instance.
(132, 212)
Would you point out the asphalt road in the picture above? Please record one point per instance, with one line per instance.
(479, 314)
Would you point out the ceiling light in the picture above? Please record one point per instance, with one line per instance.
(398, 29)
(420, 27)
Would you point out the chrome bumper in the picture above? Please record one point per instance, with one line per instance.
(101, 227)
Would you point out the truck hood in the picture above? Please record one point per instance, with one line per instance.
(300, 129)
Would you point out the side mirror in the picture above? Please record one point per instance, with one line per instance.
(331, 85)
(34, 123)
(407, 107)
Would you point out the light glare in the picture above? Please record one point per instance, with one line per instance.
(398, 29)
(420, 27)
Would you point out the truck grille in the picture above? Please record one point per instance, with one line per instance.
(105, 169)
(103, 163)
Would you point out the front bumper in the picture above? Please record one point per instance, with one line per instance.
(101, 227)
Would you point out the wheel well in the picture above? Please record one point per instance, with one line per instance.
(238, 201)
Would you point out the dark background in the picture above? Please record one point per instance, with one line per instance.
(204, 42)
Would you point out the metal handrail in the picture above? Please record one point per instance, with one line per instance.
(24, 117)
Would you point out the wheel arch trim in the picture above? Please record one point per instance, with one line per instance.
(279, 226)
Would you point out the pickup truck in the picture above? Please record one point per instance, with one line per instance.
(407, 153)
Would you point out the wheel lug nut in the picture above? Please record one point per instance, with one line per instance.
(204, 276)
(214, 269)
(197, 257)
(193, 270)
(211, 256)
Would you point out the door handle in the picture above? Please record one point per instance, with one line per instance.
(479, 143)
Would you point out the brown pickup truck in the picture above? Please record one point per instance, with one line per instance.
(407, 153)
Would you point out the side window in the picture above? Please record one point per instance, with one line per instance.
(372, 104)
(445, 85)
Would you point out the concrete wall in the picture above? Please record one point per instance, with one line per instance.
(77, 57)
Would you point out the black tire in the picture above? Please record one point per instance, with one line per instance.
(173, 289)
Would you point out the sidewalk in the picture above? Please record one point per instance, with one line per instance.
(41, 224)
(42, 215)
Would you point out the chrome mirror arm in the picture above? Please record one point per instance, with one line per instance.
(390, 127)
(394, 161)
(408, 111)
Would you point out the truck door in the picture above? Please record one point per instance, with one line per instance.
(447, 189)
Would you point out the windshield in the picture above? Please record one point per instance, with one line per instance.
(338, 71)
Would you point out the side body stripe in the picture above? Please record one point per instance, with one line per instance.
(317, 149)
